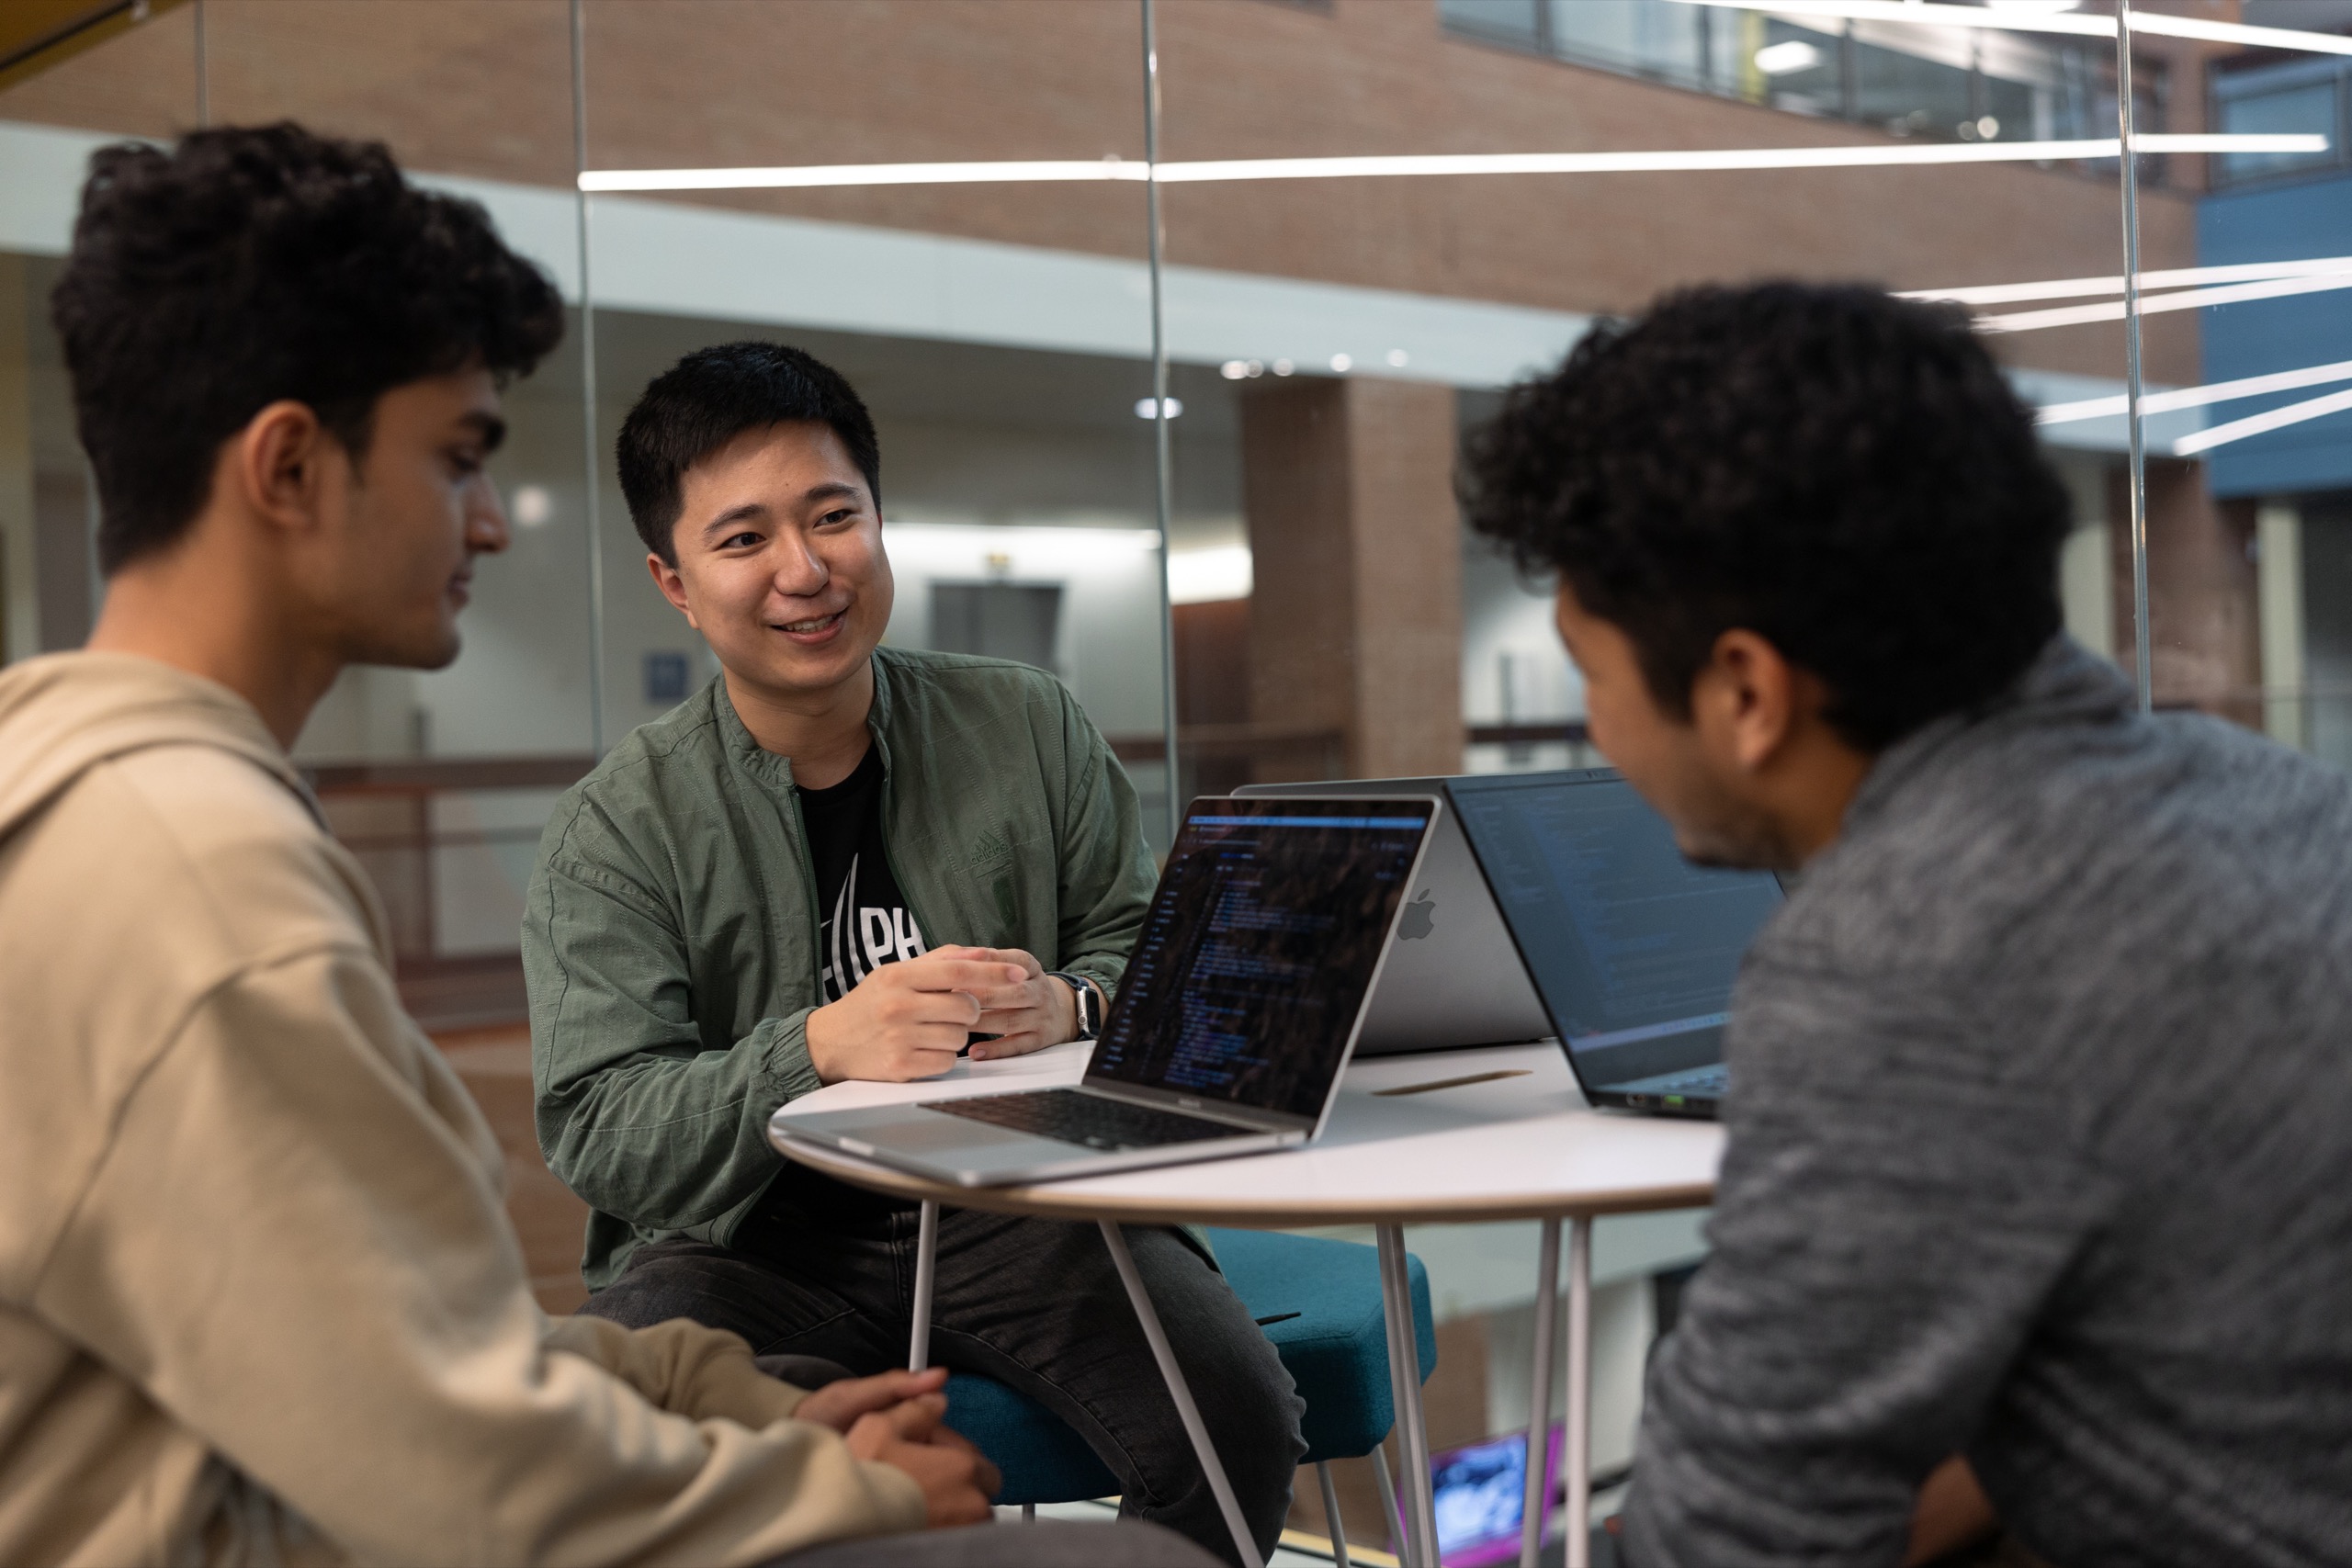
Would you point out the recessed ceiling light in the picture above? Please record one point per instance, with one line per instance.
(533, 505)
(1234, 370)
(1283, 366)
(1399, 357)
(1342, 364)
(1144, 408)
(1789, 54)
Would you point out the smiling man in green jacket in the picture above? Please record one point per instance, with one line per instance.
(842, 860)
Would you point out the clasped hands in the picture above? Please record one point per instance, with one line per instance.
(909, 1020)
(895, 1420)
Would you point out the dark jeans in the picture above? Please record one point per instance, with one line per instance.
(1035, 1304)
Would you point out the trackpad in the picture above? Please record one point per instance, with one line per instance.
(937, 1130)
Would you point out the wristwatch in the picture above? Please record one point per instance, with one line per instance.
(1090, 1003)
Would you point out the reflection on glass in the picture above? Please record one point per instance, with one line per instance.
(1951, 84)
(2297, 95)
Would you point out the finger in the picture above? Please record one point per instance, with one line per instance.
(932, 973)
(1024, 961)
(1018, 1045)
(1026, 996)
(914, 1420)
(853, 1397)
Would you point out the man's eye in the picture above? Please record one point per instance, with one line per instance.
(739, 539)
(832, 519)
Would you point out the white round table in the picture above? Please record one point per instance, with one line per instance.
(1452, 1136)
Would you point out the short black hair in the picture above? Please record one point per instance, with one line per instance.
(248, 264)
(1842, 472)
(708, 399)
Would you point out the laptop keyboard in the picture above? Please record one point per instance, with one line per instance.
(1088, 1121)
(1707, 1082)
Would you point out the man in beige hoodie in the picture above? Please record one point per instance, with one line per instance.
(259, 1302)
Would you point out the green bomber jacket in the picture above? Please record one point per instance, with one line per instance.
(670, 933)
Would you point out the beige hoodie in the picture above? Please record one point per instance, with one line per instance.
(259, 1301)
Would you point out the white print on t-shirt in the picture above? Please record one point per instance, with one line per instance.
(856, 945)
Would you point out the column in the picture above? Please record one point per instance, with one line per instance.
(1356, 616)
(2278, 568)
(2203, 598)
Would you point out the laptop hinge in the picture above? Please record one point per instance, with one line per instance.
(1186, 1105)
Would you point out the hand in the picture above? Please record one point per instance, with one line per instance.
(839, 1405)
(1037, 1012)
(907, 1020)
(957, 1482)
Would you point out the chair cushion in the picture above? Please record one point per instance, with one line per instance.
(1319, 1301)
(1042, 1460)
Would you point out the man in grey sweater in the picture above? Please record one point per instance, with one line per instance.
(2037, 1211)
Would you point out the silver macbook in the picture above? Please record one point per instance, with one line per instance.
(1242, 1001)
(1454, 977)
(1633, 948)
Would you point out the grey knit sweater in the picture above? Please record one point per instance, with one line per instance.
(2041, 1151)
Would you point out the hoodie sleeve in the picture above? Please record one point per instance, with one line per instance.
(300, 1259)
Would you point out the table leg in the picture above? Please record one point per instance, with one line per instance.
(1332, 1520)
(1539, 1399)
(1180, 1393)
(926, 1273)
(1576, 1458)
(1396, 1293)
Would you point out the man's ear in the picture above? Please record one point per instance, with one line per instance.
(672, 586)
(278, 464)
(1747, 699)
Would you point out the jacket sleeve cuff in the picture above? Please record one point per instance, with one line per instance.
(785, 1071)
(897, 1496)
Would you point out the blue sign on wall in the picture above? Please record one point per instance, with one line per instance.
(2286, 221)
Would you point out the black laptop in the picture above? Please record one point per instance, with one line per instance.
(1632, 948)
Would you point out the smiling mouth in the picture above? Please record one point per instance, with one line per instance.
(814, 624)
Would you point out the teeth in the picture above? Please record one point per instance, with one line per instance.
(819, 624)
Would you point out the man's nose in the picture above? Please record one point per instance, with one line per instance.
(487, 533)
(799, 570)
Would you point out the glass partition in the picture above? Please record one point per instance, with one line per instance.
(1341, 324)
(2248, 472)
(999, 331)
(1264, 574)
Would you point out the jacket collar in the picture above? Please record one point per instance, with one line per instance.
(775, 771)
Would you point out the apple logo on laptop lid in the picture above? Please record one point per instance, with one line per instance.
(1417, 919)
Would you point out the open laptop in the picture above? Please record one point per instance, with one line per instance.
(1241, 1002)
(1453, 977)
(1632, 947)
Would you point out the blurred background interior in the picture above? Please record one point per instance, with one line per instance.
(1283, 590)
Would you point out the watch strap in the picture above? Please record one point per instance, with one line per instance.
(1088, 1000)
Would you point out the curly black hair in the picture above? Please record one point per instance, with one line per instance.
(244, 266)
(1842, 472)
(709, 398)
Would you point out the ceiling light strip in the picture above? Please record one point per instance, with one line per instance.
(2259, 423)
(1870, 155)
(2187, 299)
(2025, 19)
(2172, 277)
(2197, 397)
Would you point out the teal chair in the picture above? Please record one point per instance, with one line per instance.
(1317, 1300)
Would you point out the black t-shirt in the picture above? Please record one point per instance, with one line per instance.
(863, 923)
(862, 918)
